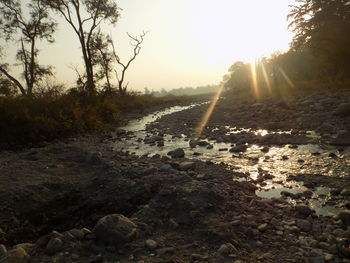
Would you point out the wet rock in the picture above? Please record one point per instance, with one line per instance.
(192, 143)
(303, 210)
(239, 148)
(151, 244)
(55, 245)
(209, 147)
(177, 153)
(202, 143)
(344, 216)
(115, 229)
(345, 192)
(153, 139)
(17, 255)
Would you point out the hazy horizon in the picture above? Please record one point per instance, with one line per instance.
(188, 44)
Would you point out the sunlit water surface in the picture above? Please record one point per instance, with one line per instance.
(278, 162)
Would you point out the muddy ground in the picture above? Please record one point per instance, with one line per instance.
(64, 202)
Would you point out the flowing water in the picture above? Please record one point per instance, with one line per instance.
(277, 163)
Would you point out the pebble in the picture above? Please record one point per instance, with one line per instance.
(115, 229)
(151, 244)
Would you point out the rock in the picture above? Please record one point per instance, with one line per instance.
(262, 227)
(304, 225)
(202, 143)
(345, 192)
(224, 249)
(55, 245)
(303, 210)
(185, 166)
(115, 229)
(177, 153)
(193, 143)
(17, 255)
(3, 251)
(344, 215)
(342, 139)
(151, 244)
(239, 148)
(153, 139)
(77, 233)
(342, 110)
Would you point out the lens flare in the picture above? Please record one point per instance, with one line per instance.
(198, 131)
(284, 74)
(266, 77)
(254, 79)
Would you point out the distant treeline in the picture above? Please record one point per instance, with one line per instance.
(319, 54)
(189, 91)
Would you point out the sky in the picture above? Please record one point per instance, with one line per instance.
(189, 42)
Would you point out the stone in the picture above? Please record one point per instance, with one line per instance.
(224, 249)
(17, 255)
(202, 143)
(343, 110)
(151, 244)
(304, 225)
(185, 166)
(262, 227)
(177, 153)
(239, 148)
(77, 233)
(115, 229)
(55, 245)
(303, 210)
(344, 216)
(342, 139)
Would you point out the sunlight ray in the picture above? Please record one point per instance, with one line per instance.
(266, 77)
(284, 74)
(254, 79)
(198, 131)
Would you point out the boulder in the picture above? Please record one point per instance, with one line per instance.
(115, 229)
(239, 148)
(303, 210)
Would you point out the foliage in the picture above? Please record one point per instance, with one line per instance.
(324, 27)
(27, 31)
(49, 115)
(276, 75)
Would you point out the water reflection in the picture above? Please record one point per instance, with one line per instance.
(267, 167)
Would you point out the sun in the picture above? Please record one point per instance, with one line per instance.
(238, 30)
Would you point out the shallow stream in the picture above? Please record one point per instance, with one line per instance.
(276, 163)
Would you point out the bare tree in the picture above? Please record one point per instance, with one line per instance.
(136, 43)
(97, 11)
(15, 27)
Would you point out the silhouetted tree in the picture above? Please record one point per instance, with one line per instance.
(27, 31)
(324, 27)
(85, 17)
(136, 43)
(103, 58)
